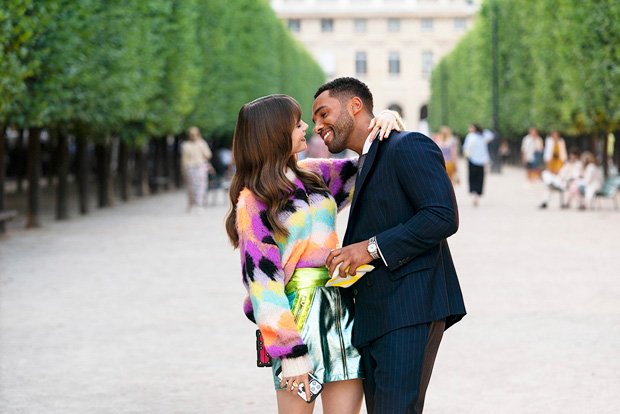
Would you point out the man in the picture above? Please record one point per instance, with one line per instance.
(402, 212)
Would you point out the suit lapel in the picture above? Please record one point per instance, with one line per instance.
(361, 178)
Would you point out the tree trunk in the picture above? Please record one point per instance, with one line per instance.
(605, 154)
(141, 172)
(82, 172)
(165, 154)
(176, 161)
(34, 174)
(123, 176)
(2, 169)
(20, 171)
(49, 167)
(62, 158)
(154, 150)
(102, 152)
(617, 150)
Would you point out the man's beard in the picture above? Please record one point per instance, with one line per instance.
(342, 129)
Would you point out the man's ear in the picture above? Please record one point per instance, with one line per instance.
(356, 105)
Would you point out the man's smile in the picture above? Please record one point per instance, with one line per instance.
(327, 135)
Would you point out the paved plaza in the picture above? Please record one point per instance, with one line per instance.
(137, 309)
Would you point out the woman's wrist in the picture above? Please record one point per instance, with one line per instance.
(397, 117)
(291, 367)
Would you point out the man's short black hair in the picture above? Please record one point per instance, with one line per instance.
(345, 88)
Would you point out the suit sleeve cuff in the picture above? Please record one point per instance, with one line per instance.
(391, 254)
(381, 254)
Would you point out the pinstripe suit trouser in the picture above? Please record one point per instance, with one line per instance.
(398, 367)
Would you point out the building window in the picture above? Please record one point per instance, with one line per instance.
(360, 63)
(427, 24)
(294, 25)
(427, 63)
(393, 25)
(360, 25)
(460, 24)
(396, 107)
(394, 63)
(327, 25)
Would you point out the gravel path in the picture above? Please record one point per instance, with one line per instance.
(137, 309)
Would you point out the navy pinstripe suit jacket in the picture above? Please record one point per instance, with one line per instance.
(404, 197)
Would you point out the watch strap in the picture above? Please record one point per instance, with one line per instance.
(374, 253)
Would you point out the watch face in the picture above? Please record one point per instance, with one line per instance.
(372, 248)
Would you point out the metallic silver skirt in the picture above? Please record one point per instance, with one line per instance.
(325, 320)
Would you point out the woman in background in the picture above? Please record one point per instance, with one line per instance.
(450, 149)
(555, 152)
(584, 188)
(195, 156)
(476, 150)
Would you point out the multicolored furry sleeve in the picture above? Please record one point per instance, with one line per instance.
(338, 174)
(263, 277)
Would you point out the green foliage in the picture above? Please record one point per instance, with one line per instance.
(144, 69)
(247, 53)
(558, 64)
(17, 29)
(461, 86)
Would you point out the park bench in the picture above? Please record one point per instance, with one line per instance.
(610, 189)
(6, 216)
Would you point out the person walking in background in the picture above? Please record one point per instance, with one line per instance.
(555, 152)
(504, 151)
(283, 219)
(570, 171)
(402, 211)
(532, 147)
(449, 147)
(195, 156)
(585, 187)
(476, 150)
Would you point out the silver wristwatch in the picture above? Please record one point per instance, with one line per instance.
(373, 248)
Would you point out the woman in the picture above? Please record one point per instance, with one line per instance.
(476, 150)
(555, 152)
(449, 148)
(283, 222)
(585, 187)
(195, 156)
(532, 154)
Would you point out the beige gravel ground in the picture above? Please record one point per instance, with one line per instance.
(137, 309)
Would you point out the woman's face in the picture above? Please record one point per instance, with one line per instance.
(299, 137)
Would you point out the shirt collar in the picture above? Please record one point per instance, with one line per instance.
(367, 145)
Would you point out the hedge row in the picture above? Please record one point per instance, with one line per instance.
(140, 69)
(558, 67)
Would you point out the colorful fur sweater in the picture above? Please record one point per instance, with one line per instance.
(268, 260)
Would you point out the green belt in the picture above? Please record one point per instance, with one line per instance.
(307, 277)
(300, 291)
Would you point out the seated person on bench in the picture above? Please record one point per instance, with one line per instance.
(570, 171)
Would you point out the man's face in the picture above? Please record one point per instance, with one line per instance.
(332, 122)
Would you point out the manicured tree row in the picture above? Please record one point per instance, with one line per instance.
(17, 28)
(558, 64)
(124, 80)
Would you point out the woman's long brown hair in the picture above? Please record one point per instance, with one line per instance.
(262, 152)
